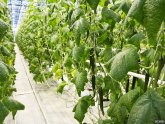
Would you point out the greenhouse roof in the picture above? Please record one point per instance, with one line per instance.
(17, 9)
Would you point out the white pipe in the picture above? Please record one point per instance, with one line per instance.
(140, 76)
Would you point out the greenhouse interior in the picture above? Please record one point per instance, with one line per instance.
(82, 61)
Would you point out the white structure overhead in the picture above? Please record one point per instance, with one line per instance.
(17, 9)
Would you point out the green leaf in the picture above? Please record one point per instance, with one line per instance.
(150, 55)
(105, 38)
(121, 109)
(53, 1)
(56, 67)
(11, 69)
(150, 13)
(125, 6)
(136, 10)
(76, 14)
(154, 13)
(3, 28)
(5, 1)
(107, 83)
(148, 108)
(82, 26)
(13, 105)
(68, 61)
(61, 86)
(3, 112)
(102, 3)
(161, 91)
(78, 53)
(107, 121)
(108, 14)
(35, 60)
(81, 80)
(93, 4)
(106, 54)
(129, 99)
(135, 39)
(124, 61)
(5, 51)
(58, 74)
(4, 72)
(81, 107)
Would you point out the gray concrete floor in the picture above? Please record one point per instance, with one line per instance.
(42, 104)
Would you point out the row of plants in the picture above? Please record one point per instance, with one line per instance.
(7, 71)
(95, 43)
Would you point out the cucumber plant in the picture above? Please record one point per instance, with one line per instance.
(93, 44)
(7, 71)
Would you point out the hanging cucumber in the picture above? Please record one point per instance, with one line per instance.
(101, 99)
(92, 64)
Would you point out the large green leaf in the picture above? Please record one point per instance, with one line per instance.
(124, 61)
(151, 14)
(82, 25)
(80, 110)
(4, 51)
(81, 80)
(106, 54)
(129, 98)
(76, 14)
(93, 4)
(122, 108)
(154, 13)
(136, 10)
(3, 28)
(110, 14)
(78, 53)
(4, 72)
(13, 105)
(3, 112)
(147, 109)
(5, 1)
(135, 39)
(81, 107)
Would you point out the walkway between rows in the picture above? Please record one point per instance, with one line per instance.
(42, 104)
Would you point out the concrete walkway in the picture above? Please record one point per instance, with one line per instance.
(42, 104)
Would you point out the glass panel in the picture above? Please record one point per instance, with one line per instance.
(17, 10)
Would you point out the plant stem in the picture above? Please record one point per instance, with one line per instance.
(127, 85)
(147, 76)
(160, 67)
(134, 82)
